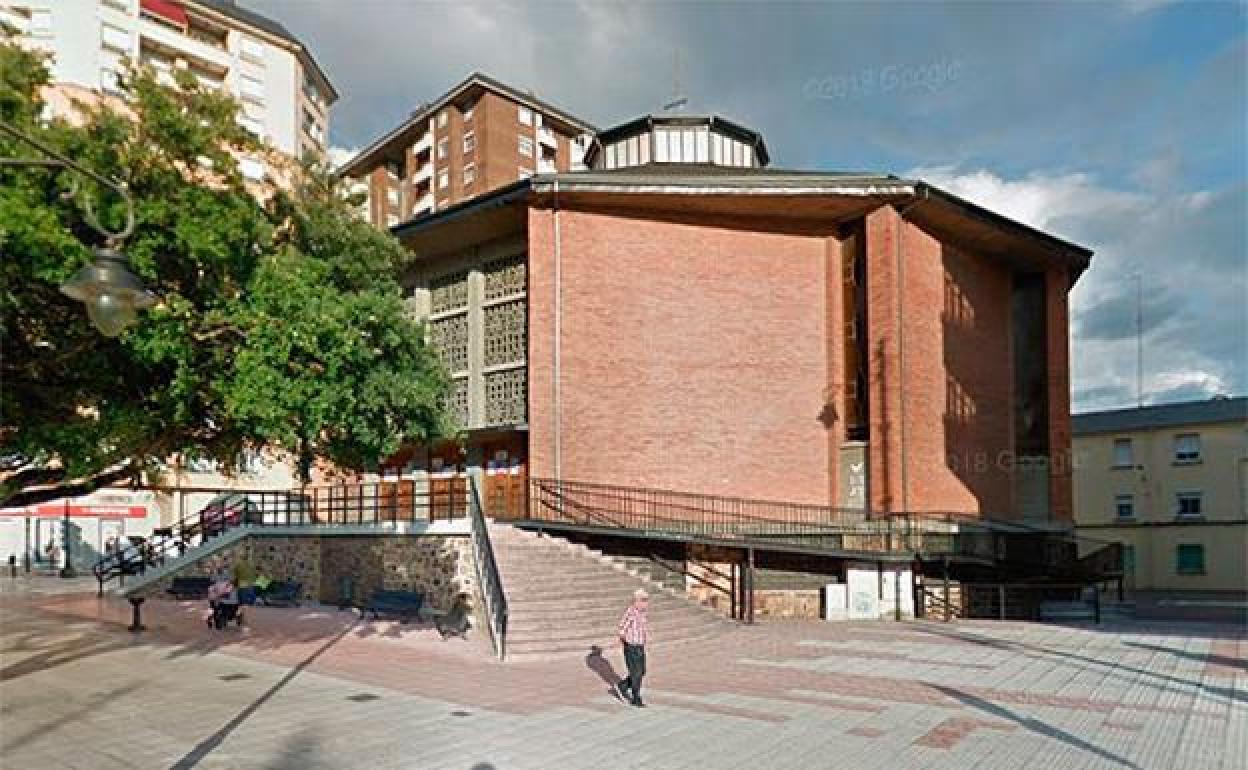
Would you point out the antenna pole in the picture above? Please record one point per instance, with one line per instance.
(1139, 341)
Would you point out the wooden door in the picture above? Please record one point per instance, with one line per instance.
(506, 481)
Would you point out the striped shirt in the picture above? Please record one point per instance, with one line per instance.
(634, 626)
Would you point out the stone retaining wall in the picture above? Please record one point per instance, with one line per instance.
(441, 567)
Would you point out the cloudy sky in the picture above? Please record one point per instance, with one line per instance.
(1120, 126)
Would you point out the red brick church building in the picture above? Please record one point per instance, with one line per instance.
(678, 315)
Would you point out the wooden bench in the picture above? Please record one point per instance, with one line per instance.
(404, 604)
(191, 587)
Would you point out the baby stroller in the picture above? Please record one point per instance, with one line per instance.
(223, 599)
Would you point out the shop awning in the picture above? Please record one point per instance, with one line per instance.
(168, 10)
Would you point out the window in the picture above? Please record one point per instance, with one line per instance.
(252, 169)
(251, 461)
(40, 23)
(525, 146)
(1188, 504)
(1128, 559)
(470, 142)
(1190, 559)
(468, 111)
(1122, 453)
(252, 88)
(470, 174)
(444, 179)
(114, 37)
(251, 49)
(202, 465)
(1187, 448)
(444, 147)
(1124, 506)
(442, 118)
(524, 173)
(110, 81)
(525, 116)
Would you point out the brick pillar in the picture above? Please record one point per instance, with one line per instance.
(834, 391)
(1057, 328)
(882, 365)
(541, 342)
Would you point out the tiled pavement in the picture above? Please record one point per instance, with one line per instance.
(312, 688)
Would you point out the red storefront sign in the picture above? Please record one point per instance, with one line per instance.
(75, 509)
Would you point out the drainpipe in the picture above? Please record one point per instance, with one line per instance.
(901, 344)
(557, 405)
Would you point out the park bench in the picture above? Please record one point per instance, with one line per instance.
(404, 604)
(281, 594)
(191, 587)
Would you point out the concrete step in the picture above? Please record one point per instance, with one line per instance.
(590, 618)
(537, 650)
(564, 598)
(557, 628)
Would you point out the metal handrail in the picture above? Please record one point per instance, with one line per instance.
(488, 579)
(365, 504)
(1039, 551)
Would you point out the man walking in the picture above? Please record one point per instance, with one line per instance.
(634, 632)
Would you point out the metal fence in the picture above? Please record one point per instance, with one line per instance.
(487, 574)
(1028, 550)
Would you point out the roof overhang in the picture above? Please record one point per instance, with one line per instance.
(782, 200)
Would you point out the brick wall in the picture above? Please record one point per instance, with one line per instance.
(949, 378)
(693, 356)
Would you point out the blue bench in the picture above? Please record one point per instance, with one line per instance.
(403, 604)
(281, 594)
(190, 587)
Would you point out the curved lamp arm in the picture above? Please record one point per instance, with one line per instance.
(57, 160)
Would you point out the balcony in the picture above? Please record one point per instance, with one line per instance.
(423, 144)
(173, 42)
(423, 173)
(547, 137)
(423, 206)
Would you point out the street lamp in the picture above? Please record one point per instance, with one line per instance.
(113, 295)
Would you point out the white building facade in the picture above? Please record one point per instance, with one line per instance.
(284, 96)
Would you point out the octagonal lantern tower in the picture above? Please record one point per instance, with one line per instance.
(702, 139)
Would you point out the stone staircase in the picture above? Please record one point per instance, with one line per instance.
(565, 599)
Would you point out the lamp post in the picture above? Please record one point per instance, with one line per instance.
(113, 295)
(68, 570)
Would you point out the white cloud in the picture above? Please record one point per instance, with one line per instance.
(340, 155)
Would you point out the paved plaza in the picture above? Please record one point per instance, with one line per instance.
(318, 688)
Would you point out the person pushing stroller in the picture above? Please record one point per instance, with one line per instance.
(223, 601)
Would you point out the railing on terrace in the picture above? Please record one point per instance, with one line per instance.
(1029, 550)
(384, 503)
(488, 579)
(782, 523)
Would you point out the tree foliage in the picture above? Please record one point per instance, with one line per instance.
(281, 322)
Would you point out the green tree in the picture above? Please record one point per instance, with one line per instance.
(281, 321)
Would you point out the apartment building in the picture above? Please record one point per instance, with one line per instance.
(479, 136)
(285, 96)
(1171, 483)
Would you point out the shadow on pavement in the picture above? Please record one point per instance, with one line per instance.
(206, 746)
(595, 662)
(1034, 725)
(1163, 680)
(1210, 658)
